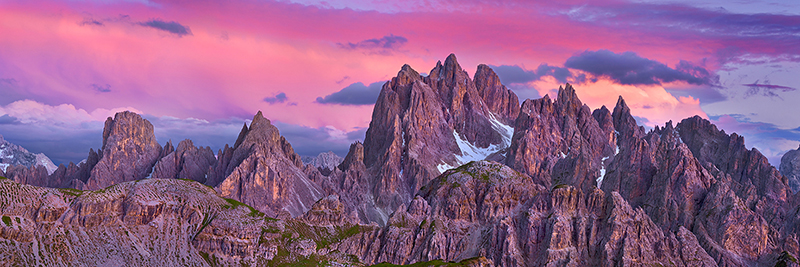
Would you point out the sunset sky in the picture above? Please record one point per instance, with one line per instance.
(199, 69)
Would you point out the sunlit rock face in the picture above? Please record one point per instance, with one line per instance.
(129, 151)
(262, 170)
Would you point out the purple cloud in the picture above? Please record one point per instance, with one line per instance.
(383, 45)
(354, 94)
(630, 69)
(168, 26)
(732, 35)
(279, 98)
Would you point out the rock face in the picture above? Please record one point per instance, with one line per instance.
(561, 142)
(790, 167)
(485, 209)
(262, 170)
(129, 151)
(422, 126)
(11, 154)
(186, 162)
(324, 160)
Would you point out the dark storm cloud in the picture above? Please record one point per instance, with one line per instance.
(6, 119)
(514, 74)
(168, 26)
(628, 68)
(279, 98)
(511, 74)
(384, 45)
(354, 94)
(61, 144)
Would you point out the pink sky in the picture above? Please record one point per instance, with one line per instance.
(225, 60)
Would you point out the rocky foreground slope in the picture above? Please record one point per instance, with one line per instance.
(451, 170)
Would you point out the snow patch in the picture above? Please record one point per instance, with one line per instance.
(602, 171)
(470, 152)
(507, 132)
(4, 166)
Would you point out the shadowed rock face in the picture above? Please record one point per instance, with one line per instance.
(129, 151)
(186, 162)
(790, 167)
(561, 142)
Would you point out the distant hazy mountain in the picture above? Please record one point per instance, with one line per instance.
(790, 167)
(11, 154)
(324, 160)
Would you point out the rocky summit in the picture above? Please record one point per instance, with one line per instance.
(454, 171)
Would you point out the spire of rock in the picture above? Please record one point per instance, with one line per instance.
(419, 125)
(129, 151)
(624, 122)
(500, 100)
(356, 154)
(264, 171)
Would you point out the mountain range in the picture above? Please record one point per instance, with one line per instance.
(14, 155)
(453, 171)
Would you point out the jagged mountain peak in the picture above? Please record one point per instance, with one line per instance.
(259, 121)
(126, 124)
(624, 122)
(576, 188)
(265, 172)
(422, 126)
(568, 96)
(354, 155)
(500, 100)
(127, 138)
